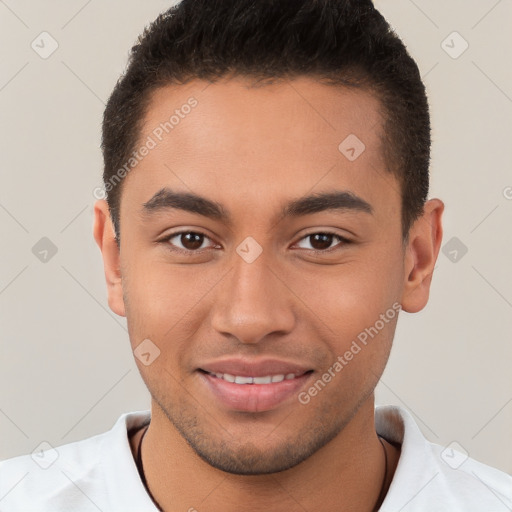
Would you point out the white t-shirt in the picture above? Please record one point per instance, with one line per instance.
(99, 473)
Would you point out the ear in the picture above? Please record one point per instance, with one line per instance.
(105, 238)
(421, 254)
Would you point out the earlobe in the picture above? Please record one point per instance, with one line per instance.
(425, 238)
(104, 235)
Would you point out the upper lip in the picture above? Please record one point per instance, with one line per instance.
(254, 368)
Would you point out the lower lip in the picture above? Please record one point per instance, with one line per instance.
(253, 397)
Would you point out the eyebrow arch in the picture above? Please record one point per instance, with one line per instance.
(340, 200)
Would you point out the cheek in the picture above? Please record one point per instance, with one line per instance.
(350, 297)
(157, 292)
(165, 304)
(356, 308)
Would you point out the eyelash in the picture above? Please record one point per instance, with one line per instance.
(190, 252)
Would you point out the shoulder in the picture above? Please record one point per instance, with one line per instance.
(82, 475)
(438, 478)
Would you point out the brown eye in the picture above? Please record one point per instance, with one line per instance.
(322, 241)
(187, 240)
(191, 241)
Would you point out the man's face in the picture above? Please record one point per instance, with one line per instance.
(212, 303)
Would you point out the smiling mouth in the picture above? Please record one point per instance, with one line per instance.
(266, 379)
(253, 393)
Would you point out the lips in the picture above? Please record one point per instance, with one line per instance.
(254, 368)
(253, 386)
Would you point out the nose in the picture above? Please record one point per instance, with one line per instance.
(253, 301)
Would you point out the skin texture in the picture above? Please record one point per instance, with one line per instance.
(253, 150)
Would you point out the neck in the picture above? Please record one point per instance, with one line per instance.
(345, 475)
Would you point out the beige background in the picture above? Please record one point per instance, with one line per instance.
(66, 370)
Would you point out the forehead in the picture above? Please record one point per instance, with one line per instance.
(234, 114)
(229, 139)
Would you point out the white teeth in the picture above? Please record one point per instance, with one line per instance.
(262, 380)
(267, 379)
(243, 380)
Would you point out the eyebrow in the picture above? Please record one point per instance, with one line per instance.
(337, 200)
